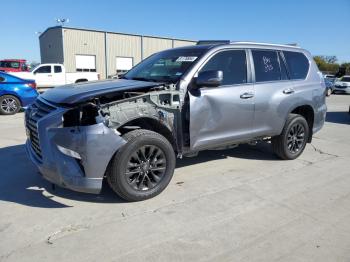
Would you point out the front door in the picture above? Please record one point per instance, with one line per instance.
(224, 114)
(43, 76)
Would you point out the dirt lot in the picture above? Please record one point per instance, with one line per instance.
(235, 205)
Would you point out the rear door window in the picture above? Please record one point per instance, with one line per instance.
(298, 64)
(266, 65)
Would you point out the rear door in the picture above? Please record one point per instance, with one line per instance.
(224, 114)
(43, 76)
(273, 91)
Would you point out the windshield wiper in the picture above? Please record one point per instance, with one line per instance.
(143, 79)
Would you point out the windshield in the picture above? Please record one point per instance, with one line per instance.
(345, 79)
(166, 66)
(9, 64)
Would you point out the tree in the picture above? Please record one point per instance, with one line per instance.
(330, 59)
(327, 64)
(346, 67)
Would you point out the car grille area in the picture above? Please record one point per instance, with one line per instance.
(34, 113)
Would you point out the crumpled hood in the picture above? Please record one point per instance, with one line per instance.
(75, 93)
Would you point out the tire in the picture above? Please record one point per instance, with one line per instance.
(81, 81)
(9, 105)
(292, 141)
(132, 176)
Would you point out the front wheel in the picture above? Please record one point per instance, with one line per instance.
(292, 141)
(143, 167)
(9, 105)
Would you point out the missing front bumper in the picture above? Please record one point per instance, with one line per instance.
(95, 144)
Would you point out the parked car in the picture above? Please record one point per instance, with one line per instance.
(329, 85)
(329, 76)
(50, 75)
(14, 65)
(173, 104)
(342, 85)
(15, 93)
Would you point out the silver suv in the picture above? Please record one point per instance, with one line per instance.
(175, 103)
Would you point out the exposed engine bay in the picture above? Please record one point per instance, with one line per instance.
(157, 108)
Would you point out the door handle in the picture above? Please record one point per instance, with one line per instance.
(49, 75)
(288, 91)
(246, 95)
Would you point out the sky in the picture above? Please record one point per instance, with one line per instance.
(320, 26)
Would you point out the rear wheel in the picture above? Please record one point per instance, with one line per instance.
(292, 141)
(143, 167)
(9, 105)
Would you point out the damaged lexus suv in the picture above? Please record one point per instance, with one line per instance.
(175, 103)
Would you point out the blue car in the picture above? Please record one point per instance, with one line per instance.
(15, 93)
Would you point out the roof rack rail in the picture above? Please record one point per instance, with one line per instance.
(268, 44)
(213, 42)
(293, 44)
(227, 42)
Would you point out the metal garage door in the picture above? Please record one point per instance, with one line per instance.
(85, 63)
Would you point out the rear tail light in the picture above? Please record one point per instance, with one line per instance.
(32, 85)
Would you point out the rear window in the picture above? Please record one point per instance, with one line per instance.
(266, 64)
(58, 69)
(298, 64)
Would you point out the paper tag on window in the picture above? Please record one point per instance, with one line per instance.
(186, 58)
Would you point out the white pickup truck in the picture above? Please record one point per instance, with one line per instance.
(50, 75)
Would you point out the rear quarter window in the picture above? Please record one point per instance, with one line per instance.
(297, 63)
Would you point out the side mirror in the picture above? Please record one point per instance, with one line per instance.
(210, 78)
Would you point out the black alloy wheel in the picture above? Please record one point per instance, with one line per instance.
(146, 167)
(296, 138)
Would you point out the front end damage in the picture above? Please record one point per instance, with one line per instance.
(73, 145)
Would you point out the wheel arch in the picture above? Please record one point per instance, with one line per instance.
(80, 80)
(308, 113)
(152, 124)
